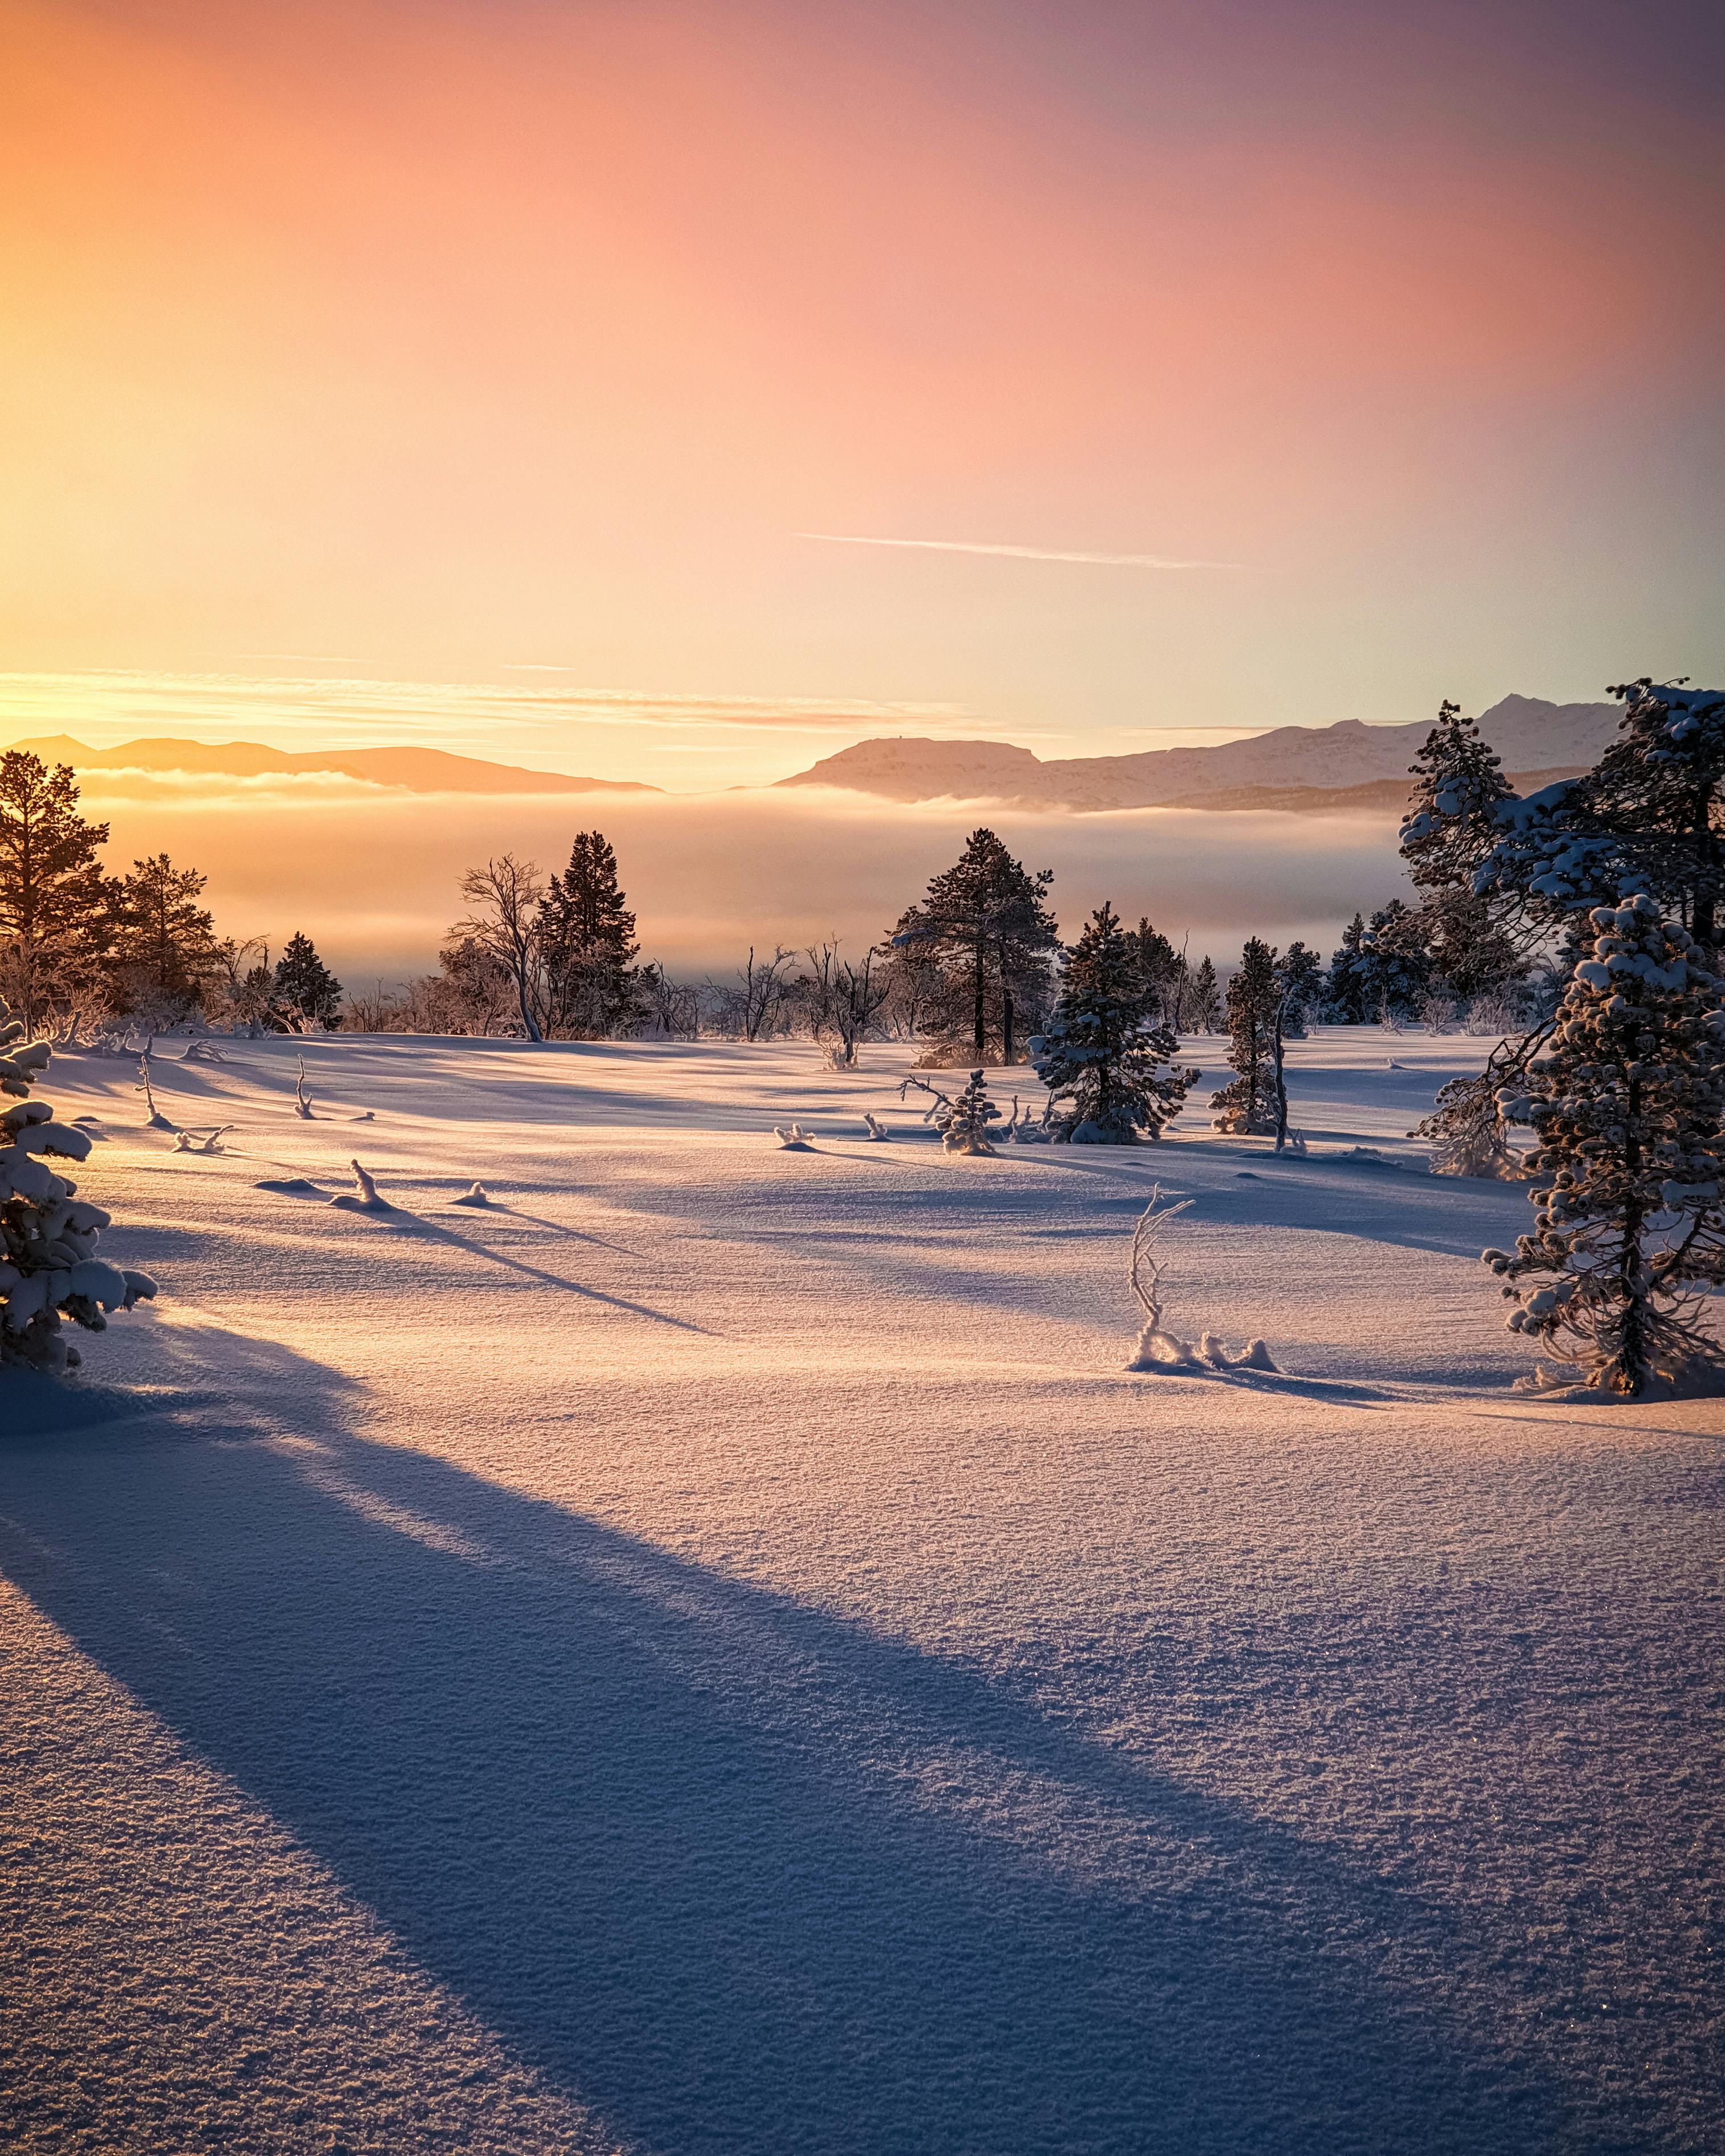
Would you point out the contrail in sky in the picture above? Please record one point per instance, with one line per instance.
(1018, 553)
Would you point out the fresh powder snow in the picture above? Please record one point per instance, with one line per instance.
(711, 1651)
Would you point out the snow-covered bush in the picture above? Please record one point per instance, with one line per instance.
(793, 1137)
(963, 1123)
(1020, 1129)
(1110, 1071)
(964, 1128)
(48, 1267)
(878, 1132)
(1627, 1112)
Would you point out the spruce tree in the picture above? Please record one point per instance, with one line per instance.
(1300, 974)
(1628, 1113)
(1346, 1005)
(48, 1267)
(1383, 967)
(985, 923)
(1203, 1012)
(53, 894)
(1099, 1054)
(1163, 972)
(305, 987)
(165, 953)
(1249, 1105)
(588, 948)
(963, 1125)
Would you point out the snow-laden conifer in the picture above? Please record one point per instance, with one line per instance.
(1109, 1070)
(1250, 1104)
(963, 1121)
(964, 1126)
(49, 1266)
(1627, 1112)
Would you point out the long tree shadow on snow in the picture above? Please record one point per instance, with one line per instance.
(745, 1876)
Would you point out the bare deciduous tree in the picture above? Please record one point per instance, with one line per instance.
(504, 895)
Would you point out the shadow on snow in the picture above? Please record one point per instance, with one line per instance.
(744, 1876)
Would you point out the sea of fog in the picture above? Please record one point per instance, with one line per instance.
(372, 876)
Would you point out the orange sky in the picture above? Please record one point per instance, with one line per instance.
(435, 341)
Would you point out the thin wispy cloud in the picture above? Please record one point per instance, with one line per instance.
(1015, 553)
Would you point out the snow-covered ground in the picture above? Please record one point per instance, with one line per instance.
(715, 1654)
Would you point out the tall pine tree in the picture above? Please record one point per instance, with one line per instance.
(1099, 1056)
(588, 948)
(165, 953)
(1249, 1104)
(54, 899)
(1628, 1113)
(985, 923)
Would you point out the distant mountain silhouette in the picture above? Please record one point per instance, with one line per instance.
(412, 770)
(1319, 765)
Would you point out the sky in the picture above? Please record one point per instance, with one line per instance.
(677, 391)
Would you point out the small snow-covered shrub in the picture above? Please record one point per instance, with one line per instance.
(963, 1121)
(1160, 1351)
(877, 1130)
(48, 1267)
(476, 1194)
(793, 1137)
(965, 1127)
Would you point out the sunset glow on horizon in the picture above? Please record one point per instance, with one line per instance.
(480, 345)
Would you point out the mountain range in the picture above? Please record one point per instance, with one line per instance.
(1348, 768)
(1348, 765)
(416, 770)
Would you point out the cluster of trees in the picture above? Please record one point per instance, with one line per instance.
(81, 949)
(1617, 879)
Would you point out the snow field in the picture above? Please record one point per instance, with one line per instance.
(713, 1653)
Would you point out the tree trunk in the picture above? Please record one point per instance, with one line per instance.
(980, 1013)
(1006, 1019)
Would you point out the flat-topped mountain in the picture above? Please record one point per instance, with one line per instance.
(1532, 737)
(412, 770)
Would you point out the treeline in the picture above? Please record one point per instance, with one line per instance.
(970, 970)
(81, 951)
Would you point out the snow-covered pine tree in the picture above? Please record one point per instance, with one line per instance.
(1628, 1113)
(963, 1125)
(1248, 1104)
(48, 1267)
(1300, 972)
(305, 991)
(1112, 1070)
(1390, 965)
